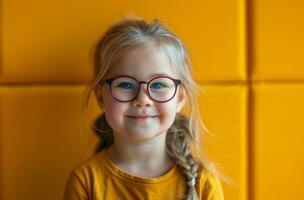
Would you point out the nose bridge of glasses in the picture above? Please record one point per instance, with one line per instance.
(144, 87)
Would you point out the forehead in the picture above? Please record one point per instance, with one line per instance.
(142, 63)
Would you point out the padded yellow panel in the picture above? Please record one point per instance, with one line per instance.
(50, 41)
(278, 141)
(224, 111)
(277, 39)
(40, 140)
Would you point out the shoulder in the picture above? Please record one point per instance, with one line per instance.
(89, 165)
(209, 185)
(82, 177)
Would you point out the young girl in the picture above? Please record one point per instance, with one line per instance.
(142, 80)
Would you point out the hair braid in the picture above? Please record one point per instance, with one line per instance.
(178, 146)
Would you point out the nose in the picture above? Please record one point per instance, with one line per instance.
(142, 99)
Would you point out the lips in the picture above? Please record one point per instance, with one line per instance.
(142, 116)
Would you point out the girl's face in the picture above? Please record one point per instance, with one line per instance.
(143, 63)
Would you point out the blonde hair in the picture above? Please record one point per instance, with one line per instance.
(182, 140)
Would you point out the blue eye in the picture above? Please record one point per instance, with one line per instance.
(126, 85)
(157, 85)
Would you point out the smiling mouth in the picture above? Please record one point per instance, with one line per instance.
(142, 117)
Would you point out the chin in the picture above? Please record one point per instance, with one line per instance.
(141, 137)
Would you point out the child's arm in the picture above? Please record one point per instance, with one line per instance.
(74, 189)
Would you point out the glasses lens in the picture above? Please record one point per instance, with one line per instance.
(124, 88)
(162, 89)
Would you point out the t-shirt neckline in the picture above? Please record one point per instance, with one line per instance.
(112, 167)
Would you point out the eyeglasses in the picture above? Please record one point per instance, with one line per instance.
(126, 88)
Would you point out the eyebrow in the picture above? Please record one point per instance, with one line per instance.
(153, 75)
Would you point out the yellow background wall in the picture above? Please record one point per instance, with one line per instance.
(247, 56)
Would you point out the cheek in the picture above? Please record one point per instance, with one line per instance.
(110, 103)
(114, 112)
(167, 112)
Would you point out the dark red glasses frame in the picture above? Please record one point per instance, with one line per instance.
(176, 82)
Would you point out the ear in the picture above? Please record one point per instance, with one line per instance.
(181, 98)
(98, 94)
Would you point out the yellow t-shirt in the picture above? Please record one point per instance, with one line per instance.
(98, 178)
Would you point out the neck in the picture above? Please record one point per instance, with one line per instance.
(134, 156)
